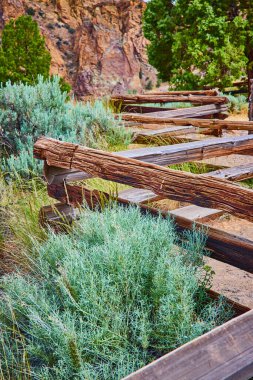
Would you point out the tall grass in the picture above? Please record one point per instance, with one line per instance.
(20, 204)
(103, 301)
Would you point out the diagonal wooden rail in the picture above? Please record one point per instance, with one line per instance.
(168, 155)
(177, 185)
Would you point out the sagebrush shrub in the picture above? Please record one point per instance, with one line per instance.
(105, 300)
(27, 112)
(237, 104)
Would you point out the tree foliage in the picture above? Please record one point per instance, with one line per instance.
(23, 54)
(200, 42)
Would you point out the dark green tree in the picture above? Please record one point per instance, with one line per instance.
(23, 54)
(200, 42)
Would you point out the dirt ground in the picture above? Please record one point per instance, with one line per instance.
(228, 280)
(234, 283)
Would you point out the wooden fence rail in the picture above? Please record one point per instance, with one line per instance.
(192, 112)
(150, 98)
(227, 351)
(167, 155)
(196, 92)
(199, 123)
(197, 189)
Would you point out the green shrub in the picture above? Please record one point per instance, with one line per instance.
(23, 53)
(105, 300)
(237, 104)
(27, 112)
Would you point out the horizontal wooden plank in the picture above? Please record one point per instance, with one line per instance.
(194, 213)
(160, 128)
(195, 92)
(199, 123)
(192, 111)
(237, 173)
(226, 352)
(141, 136)
(186, 152)
(180, 113)
(130, 108)
(182, 186)
(170, 131)
(139, 196)
(190, 212)
(226, 247)
(150, 98)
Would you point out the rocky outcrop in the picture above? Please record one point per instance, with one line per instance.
(96, 45)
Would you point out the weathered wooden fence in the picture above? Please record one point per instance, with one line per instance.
(227, 351)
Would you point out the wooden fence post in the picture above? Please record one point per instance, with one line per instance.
(251, 104)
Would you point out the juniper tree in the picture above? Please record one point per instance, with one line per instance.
(23, 54)
(200, 42)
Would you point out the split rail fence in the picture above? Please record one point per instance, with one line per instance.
(227, 351)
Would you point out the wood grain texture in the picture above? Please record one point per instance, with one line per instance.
(224, 353)
(192, 112)
(150, 98)
(236, 173)
(144, 127)
(196, 92)
(165, 155)
(130, 108)
(201, 214)
(191, 212)
(226, 247)
(200, 123)
(187, 187)
(144, 136)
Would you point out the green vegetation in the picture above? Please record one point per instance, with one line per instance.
(28, 112)
(120, 289)
(105, 300)
(197, 43)
(23, 54)
(237, 104)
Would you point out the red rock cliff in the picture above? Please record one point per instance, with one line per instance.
(98, 46)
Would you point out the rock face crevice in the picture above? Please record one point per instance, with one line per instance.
(98, 46)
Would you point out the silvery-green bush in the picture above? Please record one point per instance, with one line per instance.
(27, 112)
(110, 297)
(237, 103)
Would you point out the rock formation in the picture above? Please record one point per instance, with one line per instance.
(96, 45)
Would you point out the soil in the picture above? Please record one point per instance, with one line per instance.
(234, 283)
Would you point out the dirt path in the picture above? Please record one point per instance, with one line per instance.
(228, 280)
